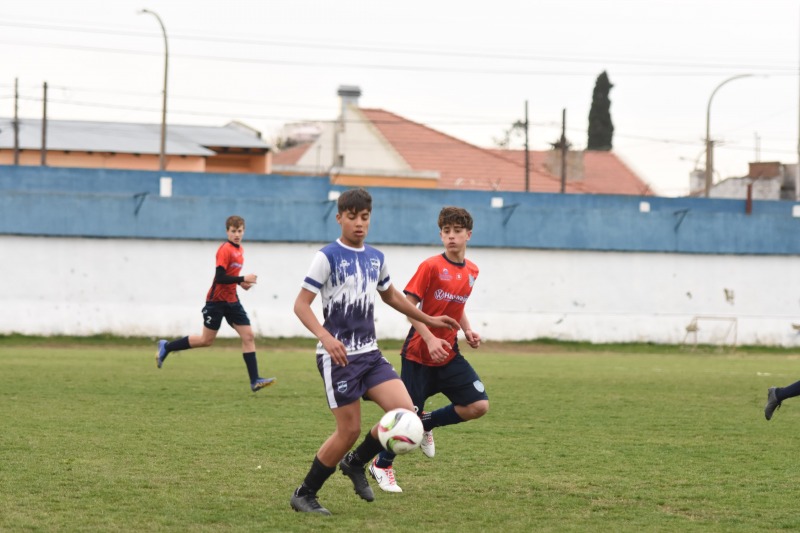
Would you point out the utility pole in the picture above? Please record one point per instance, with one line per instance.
(758, 147)
(527, 156)
(563, 143)
(44, 127)
(16, 121)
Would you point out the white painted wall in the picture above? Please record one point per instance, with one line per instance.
(157, 288)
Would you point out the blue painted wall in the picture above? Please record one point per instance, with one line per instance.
(113, 203)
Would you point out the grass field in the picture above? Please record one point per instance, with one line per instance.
(94, 438)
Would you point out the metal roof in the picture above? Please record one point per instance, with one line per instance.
(128, 137)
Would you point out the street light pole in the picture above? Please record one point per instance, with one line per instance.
(797, 170)
(162, 159)
(709, 142)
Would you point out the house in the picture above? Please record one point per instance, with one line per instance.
(374, 147)
(234, 148)
(765, 180)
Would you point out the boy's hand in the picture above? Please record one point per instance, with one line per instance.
(438, 349)
(444, 322)
(473, 339)
(246, 286)
(251, 279)
(336, 350)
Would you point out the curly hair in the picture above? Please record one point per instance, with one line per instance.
(455, 216)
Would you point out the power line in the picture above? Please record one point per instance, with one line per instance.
(425, 51)
(320, 64)
(439, 69)
(173, 96)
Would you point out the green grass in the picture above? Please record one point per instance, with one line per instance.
(94, 438)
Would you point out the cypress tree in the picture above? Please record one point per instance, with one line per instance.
(601, 129)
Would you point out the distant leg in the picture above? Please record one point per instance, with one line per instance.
(184, 343)
(776, 395)
(251, 362)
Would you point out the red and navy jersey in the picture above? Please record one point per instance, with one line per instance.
(231, 258)
(443, 288)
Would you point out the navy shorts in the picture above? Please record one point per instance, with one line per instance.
(457, 380)
(347, 384)
(234, 313)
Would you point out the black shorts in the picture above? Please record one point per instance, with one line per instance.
(233, 312)
(457, 380)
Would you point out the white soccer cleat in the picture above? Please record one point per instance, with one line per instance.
(427, 445)
(384, 477)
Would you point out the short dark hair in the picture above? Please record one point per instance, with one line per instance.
(455, 216)
(355, 200)
(234, 221)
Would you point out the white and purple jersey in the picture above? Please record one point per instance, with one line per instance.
(347, 278)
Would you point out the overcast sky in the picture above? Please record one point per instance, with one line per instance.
(462, 67)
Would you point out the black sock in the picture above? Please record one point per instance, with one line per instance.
(178, 345)
(365, 451)
(788, 392)
(252, 365)
(317, 475)
(385, 459)
(446, 416)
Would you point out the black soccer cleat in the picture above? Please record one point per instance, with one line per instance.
(358, 477)
(772, 402)
(307, 503)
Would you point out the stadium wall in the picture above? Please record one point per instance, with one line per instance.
(105, 252)
(82, 286)
(128, 204)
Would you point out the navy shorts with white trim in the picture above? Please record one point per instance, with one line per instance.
(347, 384)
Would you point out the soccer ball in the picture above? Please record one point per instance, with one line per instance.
(400, 431)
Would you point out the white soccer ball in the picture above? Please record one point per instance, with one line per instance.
(400, 431)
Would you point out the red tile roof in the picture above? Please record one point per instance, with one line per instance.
(461, 165)
(603, 172)
(290, 156)
(465, 166)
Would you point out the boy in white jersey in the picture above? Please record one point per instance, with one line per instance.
(348, 274)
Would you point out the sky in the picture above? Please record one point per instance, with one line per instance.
(463, 67)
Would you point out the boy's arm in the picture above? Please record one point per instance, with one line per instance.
(302, 308)
(437, 348)
(473, 339)
(221, 278)
(396, 300)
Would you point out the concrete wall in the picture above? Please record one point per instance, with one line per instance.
(79, 286)
(91, 251)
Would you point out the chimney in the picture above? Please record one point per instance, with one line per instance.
(764, 169)
(575, 166)
(348, 94)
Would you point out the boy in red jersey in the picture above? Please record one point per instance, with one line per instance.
(431, 359)
(223, 301)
